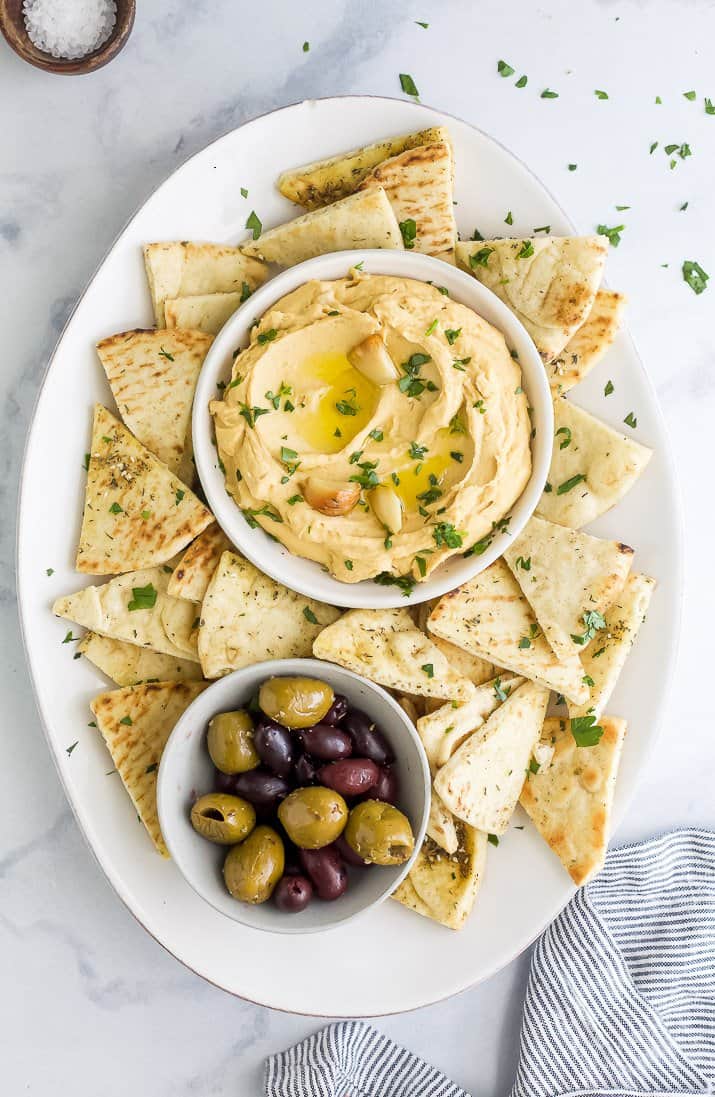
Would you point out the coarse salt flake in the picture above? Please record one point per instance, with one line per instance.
(69, 29)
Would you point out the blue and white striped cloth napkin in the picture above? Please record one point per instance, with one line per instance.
(620, 1000)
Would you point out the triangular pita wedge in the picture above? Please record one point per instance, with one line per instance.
(192, 575)
(441, 826)
(186, 269)
(444, 887)
(180, 620)
(418, 183)
(325, 181)
(136, 512)
(610, 463)
(490, 617)
(106, 610)
(136, 723)
(153, 375)
(604, 657)
(549, 282)
(202, 312)
(570, 801)
(364, 220)
(587, 347)
(247, 617)
(386, 646)
(445, 729)
(567, 575)
(481, 782)
(127, 664)
(463, 662)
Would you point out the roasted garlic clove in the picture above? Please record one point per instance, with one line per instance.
(387, 507)
(372, 360)
(330, 497)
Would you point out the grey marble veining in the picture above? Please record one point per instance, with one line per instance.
(90, 1003)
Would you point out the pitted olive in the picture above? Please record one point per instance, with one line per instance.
(380, 833)
(230, 742)
(253, 868)
(222, 818)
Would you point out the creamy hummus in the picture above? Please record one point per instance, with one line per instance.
(306, 438)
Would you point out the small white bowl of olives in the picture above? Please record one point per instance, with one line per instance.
(293, 795)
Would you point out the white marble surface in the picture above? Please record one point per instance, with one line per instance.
(90, 1003)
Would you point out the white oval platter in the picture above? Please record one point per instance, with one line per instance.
(390, 960)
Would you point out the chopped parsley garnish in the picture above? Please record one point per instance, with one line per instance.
(460, 363)
(588, 681)
(295, 499)
(265, 511)
(476, 235)
(152, 767)
(504, 69)
(480, 258)
(683, 207)
(600, 94)
(127, 721)
(251, 414)
(275, 397)
(534, 766)
(348, 564)
(408, 85)
(527, 250)
(244, 192)
(71, 747)
(572, 167)
(456, 426)
(376, 434)
(566, 431)
(417, 452)
(410, 383)
(653, 147)
(69, 637)
(630, 420)
(613, 234)
(179, 495)
(253, 222)
(709, 106)
(428, 668)
(306, 47)
(480, 547)
(421, 565)
(452, 334)
(421, 24)
(492, 839)
(457, 456)
(444, 533)
(543, 228)
(609, 387)
(86, 462)
(143, 597)
(165, 354)
(547, 93)
(695, 276)
(509, 220)
(406, 583)
(524, 564)
(432, 327)
(408, 228)
(586, 731)
(499, 693)
(525, 642)
(309, 615)
(521, 82)
(267, 336)
(347, 407)
(50, 571)
(367, 477)
(593, 623)
(116, 509)
(569, 484)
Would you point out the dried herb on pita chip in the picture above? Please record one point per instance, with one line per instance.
(601, 463)
(387, 647)
(481, 782)
(126, 664)
(587, 347)
(549, 282)
(192, 575)
(570, 801)
(153, 375)
(186, 269)
(136, 512)
(363, 220)
(136, 723)
(247, 617)
(571, 580)
(443, 887)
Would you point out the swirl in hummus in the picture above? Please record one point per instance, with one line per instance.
(375, 426)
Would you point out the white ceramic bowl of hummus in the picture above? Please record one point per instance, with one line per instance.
(459, 440)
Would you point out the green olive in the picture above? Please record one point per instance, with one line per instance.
(379, 833)
(253, 868)
(295, 702)
(230, 742)
(222, 818)
(313, 817)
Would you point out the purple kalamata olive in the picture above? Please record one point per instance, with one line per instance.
(387, 785)
(368, 741)
(337, 710)
(348, 854)
(326, 742)
(293, 893)
(224, 782)
(274, 745)
(326, 870)
(304, 770)
(349, 776)
(261, 788)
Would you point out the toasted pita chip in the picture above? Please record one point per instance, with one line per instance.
(132, 608)
(153, 375)
(569, 579)
(136, 513)
(467, 665)
(444, 887)
(325, 181)
(481, 782)
(247, 617)
(441, 826)
(127, 664)
(418, 183)
(587, 347)
(570, 802)
(192, 575)
(136, 723)
(387, 647)
(445, 729)
(593, 472)
(490, 617)
(605, 656)
(549, 282)
(206, 312)
(363, 220)
(188, 269)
